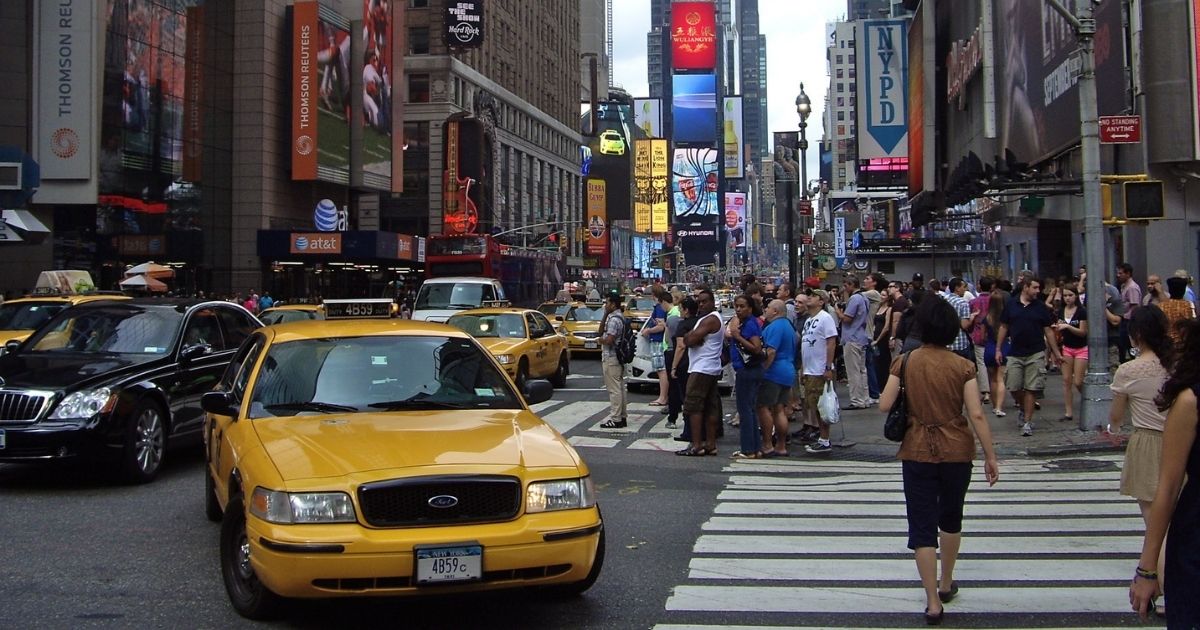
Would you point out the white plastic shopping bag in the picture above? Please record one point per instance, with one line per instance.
(828, 405)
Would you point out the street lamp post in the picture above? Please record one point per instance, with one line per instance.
(803, 108)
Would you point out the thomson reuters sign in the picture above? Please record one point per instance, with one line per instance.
(315, 243)
(66, 99)
(305, 87)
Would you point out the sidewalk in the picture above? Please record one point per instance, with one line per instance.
(1050, 437)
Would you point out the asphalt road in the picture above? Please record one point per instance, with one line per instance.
(80, 551)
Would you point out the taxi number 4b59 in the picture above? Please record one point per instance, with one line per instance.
(449, 564)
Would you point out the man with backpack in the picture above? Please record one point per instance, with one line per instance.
(614, 327)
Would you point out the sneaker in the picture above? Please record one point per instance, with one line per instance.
(670, 424)
(1027, 429)
(819, 447)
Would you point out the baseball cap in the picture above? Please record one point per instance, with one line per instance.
(821, 293)
(1182, 273)
(918, 276)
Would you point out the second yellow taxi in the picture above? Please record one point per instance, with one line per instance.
(521, 339)
(286, 313)
(581, 326)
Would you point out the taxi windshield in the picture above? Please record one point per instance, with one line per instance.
(586, 314)
(27, 315)
(641, 304)
(553, 309)
(285, 316)
(109, 330)
(378, 373)
(502, 325)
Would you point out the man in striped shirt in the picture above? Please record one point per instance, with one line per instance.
(962, 343)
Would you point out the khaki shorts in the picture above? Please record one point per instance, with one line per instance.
(701, 395)
(814, 386)
(1027, 373)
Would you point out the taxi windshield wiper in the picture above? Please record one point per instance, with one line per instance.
(419, 403)
(313, 405)
(460, 305)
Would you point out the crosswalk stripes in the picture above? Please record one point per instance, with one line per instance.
(822, 544)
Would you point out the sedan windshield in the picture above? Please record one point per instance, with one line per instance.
(27, 315)
(453, 295)
(502, 326)
(285, 316)
(586, 314)
(116, 329)
(315, 376)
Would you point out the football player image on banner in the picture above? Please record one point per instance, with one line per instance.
(695, 184)
(377, 93)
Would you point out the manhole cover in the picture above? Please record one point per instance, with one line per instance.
(1081, 465)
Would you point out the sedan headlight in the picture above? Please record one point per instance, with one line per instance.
(564, 494)
(84, 404)
(302, 507)
(504, 359)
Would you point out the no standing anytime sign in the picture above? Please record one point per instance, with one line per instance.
(1120, 129)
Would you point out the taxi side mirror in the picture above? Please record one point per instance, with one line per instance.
(537, 391)
(558, 318)
(11, 346)
(219, 403)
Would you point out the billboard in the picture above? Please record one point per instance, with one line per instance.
(647, 114)
(193, 96)
(921, 71)
(65, 90)
(694, 185)
(1038, 101)
(612, 156)
(694, 108)
(882, 88)
(735, 219)
(320, 94)
(377, 78)
(643, 196)
(693, 36)
(597, 220)
(731, 140)
(660, 172)
(464, 24)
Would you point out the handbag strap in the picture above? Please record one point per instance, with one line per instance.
(903, 365)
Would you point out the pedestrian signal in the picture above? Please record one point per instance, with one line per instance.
(1143, 200)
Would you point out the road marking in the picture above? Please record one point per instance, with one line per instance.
(888, 510)
(866, 570)
(592, 442)
(574, 415)
(972, 525)
(894, 475)
(977, 484)
(860, 545)
(1097, 496)
(664, 444)
(634, 425)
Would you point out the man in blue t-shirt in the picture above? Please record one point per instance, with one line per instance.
(779, 372)
(1026, 321)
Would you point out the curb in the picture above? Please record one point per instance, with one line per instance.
(1070, 449)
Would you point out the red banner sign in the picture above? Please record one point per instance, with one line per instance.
(305, 89)
(1120, 129)
(693, 35)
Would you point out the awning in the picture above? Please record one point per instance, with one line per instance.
(151, 269)
(143, 282)
(21, 225)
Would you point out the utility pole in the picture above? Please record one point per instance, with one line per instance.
(1097, 397)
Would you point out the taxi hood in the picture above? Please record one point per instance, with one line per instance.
(498, 345)
(337, 445)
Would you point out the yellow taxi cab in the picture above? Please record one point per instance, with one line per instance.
(521, 339)
(638, 309)
(581, 326)
(555, 312)
(385, 457)
(291, 313)
(20, 317)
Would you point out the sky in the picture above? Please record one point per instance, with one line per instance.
(795, 31)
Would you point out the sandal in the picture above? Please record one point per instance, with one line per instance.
(741, 455)
(614, 425)
(655, 403)
(1066, 418)
(710, 451)
(691, 452)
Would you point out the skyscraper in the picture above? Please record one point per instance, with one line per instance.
(753, 64)
(593, 42)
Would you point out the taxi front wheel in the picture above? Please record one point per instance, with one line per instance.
(250, 598)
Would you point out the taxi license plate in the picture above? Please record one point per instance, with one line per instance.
(590, 345)
(437, 565)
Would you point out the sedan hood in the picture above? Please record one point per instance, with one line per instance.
(55, 372)
(497, 345)
(335, 445)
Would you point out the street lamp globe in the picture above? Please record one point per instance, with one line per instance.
(803, 104)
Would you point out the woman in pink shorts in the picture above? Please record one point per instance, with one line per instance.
(1072, 326)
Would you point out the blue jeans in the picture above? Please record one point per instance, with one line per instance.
(872, 377)
(745, 386)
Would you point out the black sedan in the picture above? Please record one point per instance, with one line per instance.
(116, 381)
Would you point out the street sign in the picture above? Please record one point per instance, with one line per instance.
(839, 240)
(806, 239)
(805, 207)
(1120, 129)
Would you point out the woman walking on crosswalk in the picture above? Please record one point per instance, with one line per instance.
(938, 447)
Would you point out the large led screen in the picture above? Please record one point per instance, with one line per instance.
(694, 106)
(694, 184)
(693, 36)
(377, 74)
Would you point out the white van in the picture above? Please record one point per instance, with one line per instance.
(439, 298)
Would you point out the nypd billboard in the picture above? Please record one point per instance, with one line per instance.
(882, 88)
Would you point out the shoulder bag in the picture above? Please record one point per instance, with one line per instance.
(896, 424)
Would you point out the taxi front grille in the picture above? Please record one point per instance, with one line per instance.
(587, 335)
(411, 502)
(22, 406)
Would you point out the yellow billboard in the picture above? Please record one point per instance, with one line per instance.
(660, 190)
(643, 198)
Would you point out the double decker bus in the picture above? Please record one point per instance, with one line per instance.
(529, 277)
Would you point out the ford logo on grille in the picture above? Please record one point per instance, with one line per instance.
(443, 501)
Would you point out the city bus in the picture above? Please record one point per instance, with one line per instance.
(529, 277)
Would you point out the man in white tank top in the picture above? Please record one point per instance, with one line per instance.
(701, 402)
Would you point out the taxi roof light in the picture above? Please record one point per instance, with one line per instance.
(365, 308)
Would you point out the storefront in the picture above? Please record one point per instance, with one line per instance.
(300, 266)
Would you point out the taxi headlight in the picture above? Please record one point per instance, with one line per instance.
(84, 404)
(504, 359)
(302, 507)
(564, 494)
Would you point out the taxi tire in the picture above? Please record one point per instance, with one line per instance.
(249, 597)
(145, 411)
(559, 379)
(522, 375)
(212, 508)
(575, 589)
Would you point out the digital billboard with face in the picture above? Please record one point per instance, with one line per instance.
(694, 107)
(694, 184)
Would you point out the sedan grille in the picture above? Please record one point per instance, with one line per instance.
(23, 405)
(410, 502)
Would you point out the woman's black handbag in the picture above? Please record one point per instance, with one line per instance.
(896, 424)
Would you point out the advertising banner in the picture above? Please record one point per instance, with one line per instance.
(1038, 99)
(377, 78)
(660, 187)
(612, 157)
(693, 36)
(464, 24)
(320, 94)
(694, 185)
(643, 196)
(597, 221)
(65, 88)
(735, 219)
(193, 96)
(460, 215)
(882, 88)
(839, 240)
(731, 143)
(406, 247)
(647, 114)
(694, 108)
(305, 90)
(921, 71)
(315, 243)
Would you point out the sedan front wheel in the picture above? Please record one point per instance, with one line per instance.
(145, 443)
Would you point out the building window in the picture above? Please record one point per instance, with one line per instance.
(841, 130)
(839, 59)
(841, 115)
(418, 40)
(842, 172)
(416, 137)
(840, 87)
(841, 101)
(418, 88)
(418, 4)
(840, 73)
